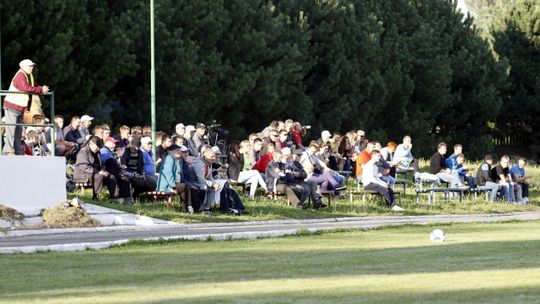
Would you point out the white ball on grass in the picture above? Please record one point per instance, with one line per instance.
(437, 236)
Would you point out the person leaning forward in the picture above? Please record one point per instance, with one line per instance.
(15, 105)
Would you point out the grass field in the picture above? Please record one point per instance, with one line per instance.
(266, 209)
(479, 263)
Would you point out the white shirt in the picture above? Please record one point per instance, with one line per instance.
(370, 175)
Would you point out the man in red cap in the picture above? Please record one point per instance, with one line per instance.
(15, 105)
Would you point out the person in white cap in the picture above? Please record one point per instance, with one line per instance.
(178, 137)
(190, 132)
(15, 105)
(84, 131)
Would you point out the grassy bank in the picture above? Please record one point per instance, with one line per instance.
(263, 208)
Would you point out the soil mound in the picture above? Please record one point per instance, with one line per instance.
(68, 214)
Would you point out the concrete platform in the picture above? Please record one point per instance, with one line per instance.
(31, 183)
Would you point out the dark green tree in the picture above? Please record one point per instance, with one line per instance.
(517, 40)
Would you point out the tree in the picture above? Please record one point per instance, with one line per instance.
(517, 40)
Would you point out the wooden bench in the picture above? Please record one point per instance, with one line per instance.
(446, 192)
(237, 184)
(158, 196)
(402, 182)
(371, 193)
(480, 190)
(81, 185)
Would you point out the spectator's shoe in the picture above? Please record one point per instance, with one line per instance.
(301, 206)
(121, 201)
(190, 209)
(318, 204)
(341, 188)
(207, 213)
(462, 187)
(396, 208)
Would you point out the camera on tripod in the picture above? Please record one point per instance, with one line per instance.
(217, 128)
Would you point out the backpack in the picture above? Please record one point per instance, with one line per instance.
(230, 202)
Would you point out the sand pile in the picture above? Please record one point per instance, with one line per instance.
(10, 214)
(68, 214)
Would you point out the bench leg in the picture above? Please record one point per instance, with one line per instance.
(169, 202)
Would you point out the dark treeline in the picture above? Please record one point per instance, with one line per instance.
(390, 67)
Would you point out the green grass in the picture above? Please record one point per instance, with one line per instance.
(266, 209)
(479, 263)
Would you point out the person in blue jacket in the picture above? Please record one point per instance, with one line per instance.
(172, 176)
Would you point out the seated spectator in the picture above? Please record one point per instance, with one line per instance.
(147, 131)
(463, 172)
(372, 182)
(279, 180)
(295, 168)
(273, 126)
(275, 139)
(137, 131)
(132, 162)
(198, 137)
(437, 167)
(451, 161)
(111, 164)
(30, 142)
(193, 148)
(387, 171)
(97, 131)
(403, 157)
(163, 149)
(72, 132)
(501, 175)
(40, 148)
(265, 159)
(483, 177)
(387, 153)
(256, 152)
(106, 132)
(61, 146)
(284, 140)
(178, 136)
(89, 168)
(326, 138)
(172, 176)
(238, 172)
(519, 177)
(361, 141)
(84, 129)
(204, 183)
(363, 158)
(297, 133)
(318, 172)
(122, 138)
(346, 154)
(149, 166)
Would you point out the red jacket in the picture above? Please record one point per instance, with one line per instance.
(263, 163)
(20, 83)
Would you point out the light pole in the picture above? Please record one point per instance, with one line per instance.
(152, 81)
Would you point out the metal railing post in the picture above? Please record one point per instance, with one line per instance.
(50, 125)
(53, 131)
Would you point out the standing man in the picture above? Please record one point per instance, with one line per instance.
(15, 105)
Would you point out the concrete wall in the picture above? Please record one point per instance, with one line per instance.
(31, 183)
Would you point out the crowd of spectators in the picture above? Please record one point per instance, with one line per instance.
(274, 160)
